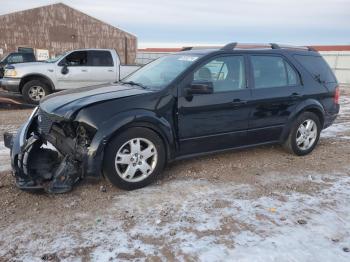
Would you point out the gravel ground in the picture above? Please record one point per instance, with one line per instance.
(260, 204)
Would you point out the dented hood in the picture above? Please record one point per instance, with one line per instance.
(66, 103)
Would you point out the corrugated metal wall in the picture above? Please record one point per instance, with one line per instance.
(59, 28)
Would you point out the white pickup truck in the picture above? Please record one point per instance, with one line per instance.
(77, 68)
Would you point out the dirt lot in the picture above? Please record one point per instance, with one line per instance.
(259, 204)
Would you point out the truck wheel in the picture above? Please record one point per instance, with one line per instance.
(34, 90)
(304, 134)
(134, 158)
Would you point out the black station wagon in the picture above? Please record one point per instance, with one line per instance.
(190, 103)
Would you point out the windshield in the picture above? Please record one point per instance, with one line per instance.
(54, 59)
(159, 73)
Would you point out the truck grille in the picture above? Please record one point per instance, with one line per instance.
(45, 122)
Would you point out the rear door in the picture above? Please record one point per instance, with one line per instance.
(101, 67)
(277, 90)
(209, 122)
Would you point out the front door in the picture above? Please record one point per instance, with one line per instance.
(73, 71)
(209, 122)
(277, 90)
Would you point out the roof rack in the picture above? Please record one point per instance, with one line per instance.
(235, 45)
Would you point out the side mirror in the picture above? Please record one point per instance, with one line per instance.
(200, 88)
(64, 69)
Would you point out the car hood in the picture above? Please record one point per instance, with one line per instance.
(19, 65)
(66, 103)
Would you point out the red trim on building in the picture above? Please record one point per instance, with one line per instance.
(317, 47)
(331, 47)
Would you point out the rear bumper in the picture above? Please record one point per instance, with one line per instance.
(11, 84)
(329, 120)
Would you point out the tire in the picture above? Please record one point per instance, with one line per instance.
(37, 86)
(120, 161)
(294, 144)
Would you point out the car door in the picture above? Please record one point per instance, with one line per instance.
(216, 121)
(73, 71)
(101, 67)
(276, 91)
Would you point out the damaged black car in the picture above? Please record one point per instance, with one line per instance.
(181, 105)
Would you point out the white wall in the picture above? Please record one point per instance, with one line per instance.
(340, 63)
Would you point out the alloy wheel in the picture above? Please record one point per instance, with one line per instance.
(306, 134)
(136, 159)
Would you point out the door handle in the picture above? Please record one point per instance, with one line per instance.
(110, 70)
(238, 102)
(295, 96)
(83, 70)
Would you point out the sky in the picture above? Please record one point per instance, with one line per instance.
(176, 23)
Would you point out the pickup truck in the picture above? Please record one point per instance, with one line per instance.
(74, 69)
(15, 58)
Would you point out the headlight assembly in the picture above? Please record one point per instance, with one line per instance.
(10, 73)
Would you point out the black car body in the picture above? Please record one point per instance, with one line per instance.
(15, 58)
(187, 115)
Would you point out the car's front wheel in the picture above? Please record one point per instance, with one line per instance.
(304, 134)
(34, 90)
(134, 158)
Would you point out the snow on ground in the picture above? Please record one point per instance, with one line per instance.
(4, 158)
(201, 220)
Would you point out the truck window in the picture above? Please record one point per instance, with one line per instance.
(316, 66)
(15, 58)
(77, 58)
(100, 58)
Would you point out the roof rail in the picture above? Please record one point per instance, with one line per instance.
(274, 46)
(229, 46)
(232, 46)
(310, 48)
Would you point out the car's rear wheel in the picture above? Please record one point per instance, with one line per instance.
(33, 91)
(304, 134)
(134, 158)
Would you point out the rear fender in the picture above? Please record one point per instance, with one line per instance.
(311, 105)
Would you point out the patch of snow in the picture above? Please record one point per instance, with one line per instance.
(4, 158)
(205, 221)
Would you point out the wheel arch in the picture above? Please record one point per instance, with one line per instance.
(312, 106)
(25, 79)
(124, 121)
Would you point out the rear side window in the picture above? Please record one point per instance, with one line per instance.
(28, 57)
(100, 58)
(316, 66)
(272, 71)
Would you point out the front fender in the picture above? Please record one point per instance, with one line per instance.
(306, 105)
(118, 123)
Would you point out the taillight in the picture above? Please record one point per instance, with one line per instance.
(336, 95)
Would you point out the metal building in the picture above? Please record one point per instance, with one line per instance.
(58, 28)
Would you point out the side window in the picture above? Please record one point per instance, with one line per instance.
(78, 58)
(226, 73)
(269, 71)
(292, 75)
(15, 59)
(100, 58)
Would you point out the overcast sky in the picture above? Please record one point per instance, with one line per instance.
(181, 22)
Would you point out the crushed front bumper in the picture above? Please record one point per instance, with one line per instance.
(37, 165)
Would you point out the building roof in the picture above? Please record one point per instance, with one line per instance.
(67, 6)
